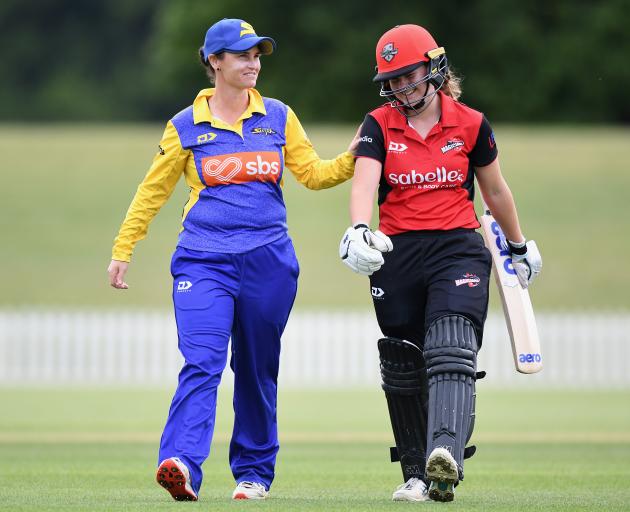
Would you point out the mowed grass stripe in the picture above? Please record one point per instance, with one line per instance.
(318, 437)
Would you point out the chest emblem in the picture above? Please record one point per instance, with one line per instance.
(427, 180)
(452, 144)
(206, 137)
(396, 147)
(234, 168)
(263, 131)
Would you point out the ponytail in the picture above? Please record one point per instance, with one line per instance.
(452, 85)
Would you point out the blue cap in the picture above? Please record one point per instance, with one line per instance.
(231, 35)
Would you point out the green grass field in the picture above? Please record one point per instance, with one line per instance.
(65, 190)
(87, 450)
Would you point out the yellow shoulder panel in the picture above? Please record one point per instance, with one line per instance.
(155, 189)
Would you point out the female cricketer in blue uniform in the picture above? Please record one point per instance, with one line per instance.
(234, 269)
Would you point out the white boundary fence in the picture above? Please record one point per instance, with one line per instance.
(320, 349)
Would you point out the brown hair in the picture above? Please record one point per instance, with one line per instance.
(206, 65)
(452, 85)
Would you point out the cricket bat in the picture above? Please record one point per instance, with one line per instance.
(517, 306)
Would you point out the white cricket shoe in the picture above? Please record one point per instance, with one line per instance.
(250, 491)
(442, 474)
(173, 475)
(413, 489)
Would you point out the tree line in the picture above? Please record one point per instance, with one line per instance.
(537, 61)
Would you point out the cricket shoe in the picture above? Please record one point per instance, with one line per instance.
(250, 491)
(442, 474)
(413, 489)
(173, 475)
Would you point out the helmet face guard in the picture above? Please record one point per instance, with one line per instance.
(436, 76)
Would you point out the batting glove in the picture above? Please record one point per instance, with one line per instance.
(526, 261)
(360, 249)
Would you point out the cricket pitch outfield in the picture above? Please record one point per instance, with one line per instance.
(96, 450)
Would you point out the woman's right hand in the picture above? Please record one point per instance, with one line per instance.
(358, 253)
(117, 270)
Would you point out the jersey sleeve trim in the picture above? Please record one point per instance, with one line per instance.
(155, 189)
(372, 141)
(485, 150)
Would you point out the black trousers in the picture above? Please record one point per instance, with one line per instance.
(430, 274)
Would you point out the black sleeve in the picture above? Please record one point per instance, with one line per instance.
(485, 150)
(372, 142)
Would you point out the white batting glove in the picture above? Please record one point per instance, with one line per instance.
(526, 260)
(378, 240)
(375, 239)
(360, 249)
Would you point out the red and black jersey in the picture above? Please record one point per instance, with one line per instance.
(427, 184)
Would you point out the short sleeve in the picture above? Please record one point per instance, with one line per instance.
(372, 142)
(485, 150)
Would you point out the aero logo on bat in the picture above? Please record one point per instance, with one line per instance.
(241, 168)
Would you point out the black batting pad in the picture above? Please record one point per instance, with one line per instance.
(450, 351)
(405, 384)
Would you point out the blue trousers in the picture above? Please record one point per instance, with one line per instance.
(246, 297)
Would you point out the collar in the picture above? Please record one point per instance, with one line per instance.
(449, 110)
(202, 113)
(448, 116)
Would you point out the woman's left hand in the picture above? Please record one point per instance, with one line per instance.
(526, 261)
(117, 270)
(354, 144)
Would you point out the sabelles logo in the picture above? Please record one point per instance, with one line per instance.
(241, 168)
(431, 179)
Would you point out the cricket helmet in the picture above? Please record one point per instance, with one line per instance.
(403, 49)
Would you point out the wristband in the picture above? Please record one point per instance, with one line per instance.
(518, 248)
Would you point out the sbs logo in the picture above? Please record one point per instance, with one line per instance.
(241, 168)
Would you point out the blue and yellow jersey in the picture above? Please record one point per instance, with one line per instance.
(234, 173)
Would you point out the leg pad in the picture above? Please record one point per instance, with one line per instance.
(450, 352)
(405, 384)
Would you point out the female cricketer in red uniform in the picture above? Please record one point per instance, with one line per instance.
(234, 269)
(429, 268)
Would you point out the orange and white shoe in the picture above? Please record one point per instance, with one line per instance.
(173, 475)
(250, 491)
